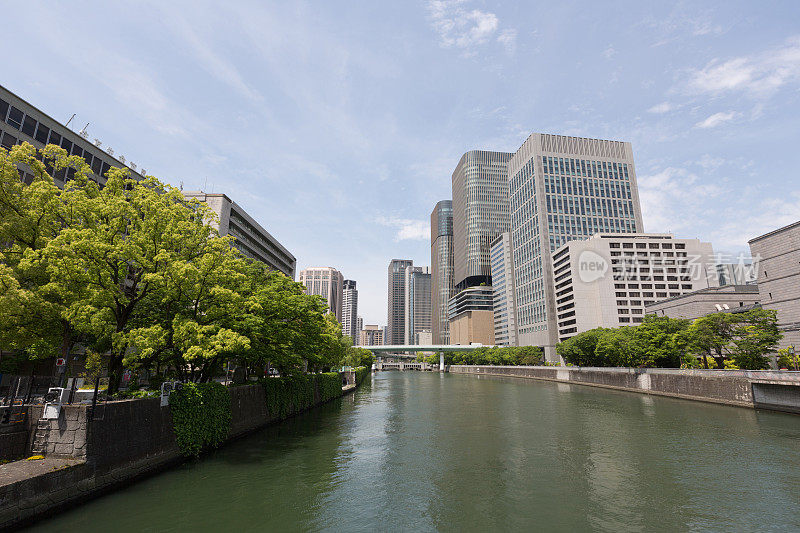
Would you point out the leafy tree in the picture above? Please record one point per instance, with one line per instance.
(133, 237)
(580, 349)
(34, 317)
(710, 337)
(755, 334)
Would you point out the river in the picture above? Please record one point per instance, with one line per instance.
(425, 452)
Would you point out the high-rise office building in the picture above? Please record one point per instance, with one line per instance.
(359, 327)
(396, 301)
(608, 280)
(442, 286)
(561, 189)
(350, 310)
(418, 302)
(505, 331)
(251, 239)
(480, 213)
(326, 282)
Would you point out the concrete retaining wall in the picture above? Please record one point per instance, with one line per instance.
(124, 440)
(746, 388)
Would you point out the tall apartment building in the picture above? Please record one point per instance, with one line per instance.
(480, 213)
(561, 189)
(778, 256)
(396, 301)
(505, 330)
(471, 316)
(350, 327)
(326, 282)
(359, 327)
(418, 302)
(608, 280)
(22, 122)
(371, 336)
(442, 286)
(251, 239)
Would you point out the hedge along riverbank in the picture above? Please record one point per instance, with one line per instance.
(201, 416)
(201, 412)
(361, 373)
(292, 394)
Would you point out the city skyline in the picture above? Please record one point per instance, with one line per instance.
(711, 130)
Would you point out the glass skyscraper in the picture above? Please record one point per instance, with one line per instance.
(441, 269)
(480, 213)
(561, 189)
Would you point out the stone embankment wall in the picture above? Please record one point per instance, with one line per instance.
(123, 441)
(775, 390)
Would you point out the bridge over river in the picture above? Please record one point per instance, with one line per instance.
(409, 351)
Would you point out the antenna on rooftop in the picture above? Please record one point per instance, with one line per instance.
(83, 132)
(70, 120)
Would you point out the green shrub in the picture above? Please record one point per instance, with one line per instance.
(201, 416)
(362, 372)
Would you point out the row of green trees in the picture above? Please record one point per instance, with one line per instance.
(497, 355)
(133, 271)
(719, 340)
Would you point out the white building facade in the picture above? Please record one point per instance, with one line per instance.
(609, 279)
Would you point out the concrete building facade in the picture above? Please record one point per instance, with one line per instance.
(505, 330)
(609, 279)
(778, 256)
(471, 316)
(561, 189)
(418, 302)
(22, 122)
(326, 282)
(442, 285)
(371, 335)
(696, 304)
(251, 239)
(396, 301)
(350, 310)
(480, 213)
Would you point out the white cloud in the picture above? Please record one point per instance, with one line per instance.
(609, 52)
(758, 74)
(716, 119)
(464, 28)
(661, 108)
(407, 229)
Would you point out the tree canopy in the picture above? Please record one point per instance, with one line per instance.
(719, 340)
(134, 270)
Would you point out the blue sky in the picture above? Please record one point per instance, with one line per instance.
(337, 124)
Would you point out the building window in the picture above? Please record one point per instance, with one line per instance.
(42, 133)
(29, 126)
(15, 117)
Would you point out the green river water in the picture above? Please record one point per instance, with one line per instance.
(417, 451)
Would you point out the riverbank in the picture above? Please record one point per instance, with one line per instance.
(761, 389)
(122, 442)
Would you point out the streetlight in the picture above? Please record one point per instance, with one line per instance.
(793, 356)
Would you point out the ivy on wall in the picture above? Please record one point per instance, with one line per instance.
(201, 416)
